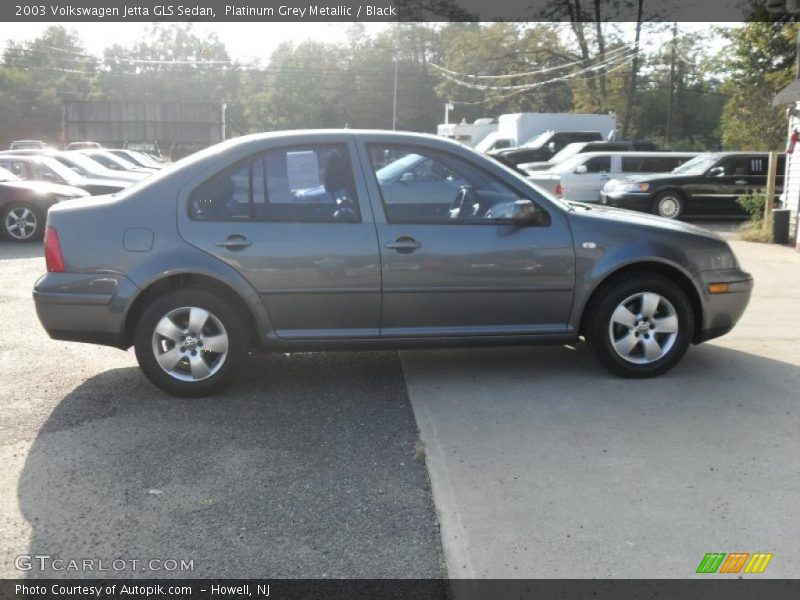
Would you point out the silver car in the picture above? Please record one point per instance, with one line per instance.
(299, 241)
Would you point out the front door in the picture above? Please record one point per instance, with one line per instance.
(297, 224)
(454, 266)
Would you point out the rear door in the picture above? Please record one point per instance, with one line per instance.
(296, 222)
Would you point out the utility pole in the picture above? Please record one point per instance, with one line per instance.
(671, 82)
(394, 100)
(448, 106)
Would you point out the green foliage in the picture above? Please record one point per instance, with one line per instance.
(351, 83)
(759, 62)
(753, 204)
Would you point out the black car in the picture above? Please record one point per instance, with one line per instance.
(24, 204)
(44, 168)
(543, 147)
(709, 184)
(571, 150)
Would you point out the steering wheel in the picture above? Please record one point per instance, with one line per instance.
(459, 208)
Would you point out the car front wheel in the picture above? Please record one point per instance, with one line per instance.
(22, 222)
(190, 342)
(641, 327)
(668, 205)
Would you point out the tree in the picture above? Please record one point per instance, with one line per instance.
(758, 63)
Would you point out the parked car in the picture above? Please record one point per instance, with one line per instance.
(113, 162)
(24, 204)
(543, 146)
(575, 148)
(81, 164)
(88, 167)
(27, 144)
(582, 177)
(44, 168)
(223, 253)
(83, 146)
(710, 184)
(140, 159)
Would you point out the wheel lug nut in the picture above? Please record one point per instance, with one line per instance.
(200, 344)
(183, 349)
(194, 352)
(183, 337)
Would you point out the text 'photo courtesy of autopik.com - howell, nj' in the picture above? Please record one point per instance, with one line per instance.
(399, 299)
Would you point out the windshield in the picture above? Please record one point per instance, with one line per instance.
(539, 140)
(699, 164)
(111, 161)
(85, 164)
(47, 166)
(567, 151)
(396, 168)
(8, 175)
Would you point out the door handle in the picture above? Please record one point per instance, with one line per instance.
(235, 242)
(740, 182)
(403, 245)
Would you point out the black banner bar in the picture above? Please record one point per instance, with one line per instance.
(379, 10)
(704, 587)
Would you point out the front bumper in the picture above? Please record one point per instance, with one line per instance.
(631, 200)
(84, 307)
(721, 312)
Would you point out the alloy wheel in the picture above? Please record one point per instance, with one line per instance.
(21, 223)
(643, 328)
(190, 343)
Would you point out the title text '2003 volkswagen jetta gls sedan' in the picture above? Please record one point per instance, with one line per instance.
(302, 241)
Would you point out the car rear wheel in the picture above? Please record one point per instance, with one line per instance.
(641, 327)
(668, 205)
(22, 222)
(190, 342)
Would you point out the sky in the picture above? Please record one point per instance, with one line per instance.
(246, 41)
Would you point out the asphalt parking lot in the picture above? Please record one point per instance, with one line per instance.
(306, 468)
(534, 462)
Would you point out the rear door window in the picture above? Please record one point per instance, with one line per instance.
(311, 183)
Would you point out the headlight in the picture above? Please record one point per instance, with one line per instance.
(636, 187)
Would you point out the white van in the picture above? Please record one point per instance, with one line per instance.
(582, 177)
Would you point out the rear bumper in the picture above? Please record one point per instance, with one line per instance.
(723, 311)
(84, 308)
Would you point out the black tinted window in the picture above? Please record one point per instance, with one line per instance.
(304, 183)
(419, 185)
(598, 164)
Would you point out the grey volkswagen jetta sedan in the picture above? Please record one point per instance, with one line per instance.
(311, 240)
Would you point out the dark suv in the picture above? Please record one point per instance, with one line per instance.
(543, 147)
(709, 184)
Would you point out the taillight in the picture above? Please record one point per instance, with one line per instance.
(52, 251)
(559, 190)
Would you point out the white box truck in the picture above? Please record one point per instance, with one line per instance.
(516, 129)
(468, 134)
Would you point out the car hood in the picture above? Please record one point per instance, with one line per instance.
(639, 220)
(45, 187)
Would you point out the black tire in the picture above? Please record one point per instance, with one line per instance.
(669, 204)
(36, 216)
(225, 315)
(599, 329)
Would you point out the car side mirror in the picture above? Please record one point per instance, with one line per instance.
(407, 177)
(716, 172)
(524, 212)
(581, 170)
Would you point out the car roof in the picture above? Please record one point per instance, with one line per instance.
(636, 153)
